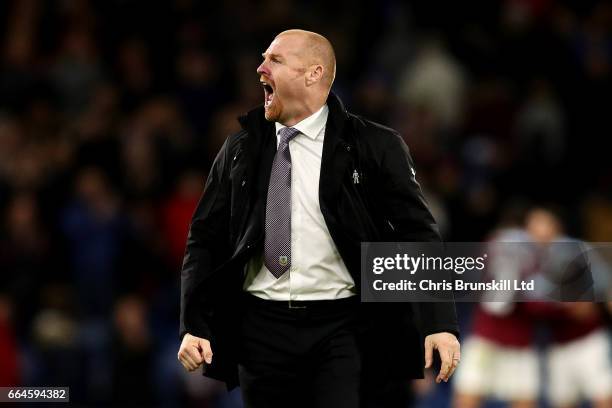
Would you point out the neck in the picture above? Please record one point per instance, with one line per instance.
(308, 106)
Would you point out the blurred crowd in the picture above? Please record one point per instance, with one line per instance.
(112, 111)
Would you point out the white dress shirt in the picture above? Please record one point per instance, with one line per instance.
(317, 271)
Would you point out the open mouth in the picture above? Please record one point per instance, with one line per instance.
(268, 93)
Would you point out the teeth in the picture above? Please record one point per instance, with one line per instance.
(268, 93)
(268, 99)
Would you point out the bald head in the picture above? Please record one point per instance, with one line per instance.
(316, 50)
(297, 73)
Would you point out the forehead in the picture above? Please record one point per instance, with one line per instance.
(286, 45)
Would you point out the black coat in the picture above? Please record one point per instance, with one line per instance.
(385, 205)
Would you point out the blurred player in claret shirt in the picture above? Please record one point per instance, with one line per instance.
(579, 357)
(499, 358)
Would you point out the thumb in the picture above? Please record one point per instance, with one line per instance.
(428, 353)
(206, 351)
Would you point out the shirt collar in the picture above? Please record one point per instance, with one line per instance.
(312, 125)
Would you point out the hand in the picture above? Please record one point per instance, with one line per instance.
(194, 351)
(448, 347)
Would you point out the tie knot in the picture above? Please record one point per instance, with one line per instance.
(288, 133)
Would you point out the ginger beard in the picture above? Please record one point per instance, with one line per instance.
(273, 106)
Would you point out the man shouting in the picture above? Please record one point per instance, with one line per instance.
(271, 276)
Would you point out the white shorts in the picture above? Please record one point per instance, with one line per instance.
(490, 370)
(580, 369)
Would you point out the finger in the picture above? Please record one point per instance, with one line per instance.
(428, 354)
(192, 356)
(452, 365)
(455, 359)
(187, 361)
(452, 370)
(194, 353)
(447, 361)
(444, 370)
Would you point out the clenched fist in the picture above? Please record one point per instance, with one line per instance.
(194, 351)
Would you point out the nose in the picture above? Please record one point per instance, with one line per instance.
(263, 69)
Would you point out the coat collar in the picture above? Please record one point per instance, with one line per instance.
(255, 123)
(337, 145)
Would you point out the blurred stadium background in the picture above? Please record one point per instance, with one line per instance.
(112, 111)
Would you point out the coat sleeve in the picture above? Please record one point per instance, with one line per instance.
(408, 219)
(207, 241)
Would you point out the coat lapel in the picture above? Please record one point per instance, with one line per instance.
(259, 147)
(337, 152)
(257, 128)
(338, 149)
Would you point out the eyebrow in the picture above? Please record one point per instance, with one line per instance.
(272, 55)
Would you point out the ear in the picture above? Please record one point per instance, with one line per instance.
(314, 74)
